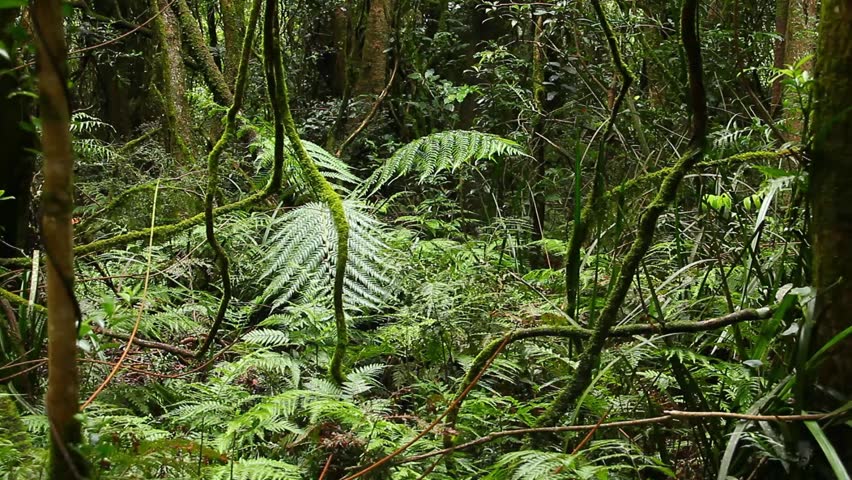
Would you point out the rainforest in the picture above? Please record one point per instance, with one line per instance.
(425, 239)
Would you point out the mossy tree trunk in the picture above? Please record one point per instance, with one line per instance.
(832, 201)
(194, 39)
(233, 27)
(17, 162)
(173, 84)
(57, 234)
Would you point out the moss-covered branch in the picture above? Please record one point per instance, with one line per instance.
(222, 260)
(322, 189)
(620, 285)
(198, 49)
(571, 332)
(594, 201)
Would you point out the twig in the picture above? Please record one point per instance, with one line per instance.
(110, 41)
(325, 468)
(372, 113)
(182, 352)
(669, 416)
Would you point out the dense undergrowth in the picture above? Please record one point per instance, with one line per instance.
(452, 304)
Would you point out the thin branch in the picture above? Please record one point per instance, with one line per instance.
(435, 422)
(222, 260)
(181, 352)
(669, 416)
(373, 111)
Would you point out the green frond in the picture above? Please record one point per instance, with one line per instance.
(438, 152)
(255, 469)
(331, 167)
(267, 337)
(304, 252)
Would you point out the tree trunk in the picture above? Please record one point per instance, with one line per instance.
(57, 233)
(832, 202)
(233, 26)
(194, 39)
(373, 65)
(173, 83)
(17, 162)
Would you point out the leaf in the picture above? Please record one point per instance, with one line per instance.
(828, 450)
(444, 151)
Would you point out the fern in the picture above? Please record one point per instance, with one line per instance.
(434, 153)
(331, 167)
(302, 259)
(255, 469)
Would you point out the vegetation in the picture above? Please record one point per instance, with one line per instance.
(396, 239)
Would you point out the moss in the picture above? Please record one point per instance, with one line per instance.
(11, 427)
(171, 65)
(198, 48)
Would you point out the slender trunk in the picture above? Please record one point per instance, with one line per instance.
(57, 233)
(832, 203)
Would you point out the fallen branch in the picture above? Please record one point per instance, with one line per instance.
(182, 352)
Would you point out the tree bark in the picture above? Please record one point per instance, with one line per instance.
(832, 202)
(373, 65)
(233, 26)
(194, 39)
(173, 83)
(57, 233)
(17, 162)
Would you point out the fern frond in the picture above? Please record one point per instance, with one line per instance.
(331, 167)
(255, 469)
(302, 259)
(434, 153)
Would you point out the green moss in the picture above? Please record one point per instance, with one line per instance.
(11, 427)
(212, 76)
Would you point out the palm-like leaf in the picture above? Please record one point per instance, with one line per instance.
(302, 259)
(434, 153)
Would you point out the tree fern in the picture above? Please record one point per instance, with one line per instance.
(434, 153)
(304, 251)
(331, 167)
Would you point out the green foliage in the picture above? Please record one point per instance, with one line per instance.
(255, 469)
(427, 156)
(303, 253)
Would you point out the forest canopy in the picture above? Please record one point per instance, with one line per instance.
(408, 239)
